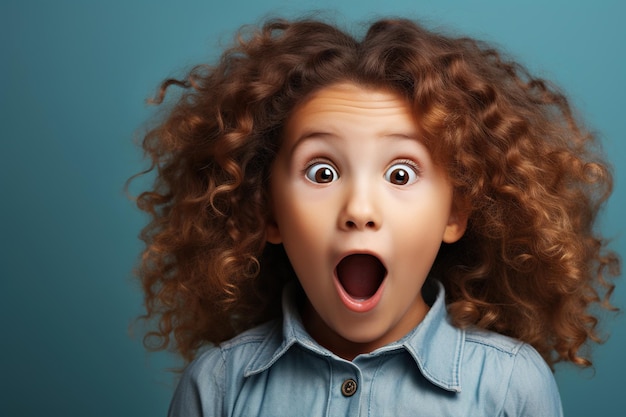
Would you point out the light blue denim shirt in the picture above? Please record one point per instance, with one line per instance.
(436, 370)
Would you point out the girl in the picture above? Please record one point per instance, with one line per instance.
(397, 225)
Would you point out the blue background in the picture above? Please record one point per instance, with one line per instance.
(73, 79)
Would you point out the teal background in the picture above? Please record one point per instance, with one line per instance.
(73, 79)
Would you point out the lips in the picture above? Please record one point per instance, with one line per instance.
(361, 275)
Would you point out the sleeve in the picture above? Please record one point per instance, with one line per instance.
(200, 391)
(532, 390)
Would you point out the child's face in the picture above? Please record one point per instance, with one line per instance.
(361, 210)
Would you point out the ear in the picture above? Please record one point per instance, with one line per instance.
(272, 233)
(457, 224)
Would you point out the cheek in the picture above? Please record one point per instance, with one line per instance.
(291, 215)
(297, 206)
(300, 221)
(417, 235)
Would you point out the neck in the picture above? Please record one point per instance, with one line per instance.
(347, 349)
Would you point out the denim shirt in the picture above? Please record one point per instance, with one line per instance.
(436, 370)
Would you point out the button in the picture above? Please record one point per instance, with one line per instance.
(348, 388)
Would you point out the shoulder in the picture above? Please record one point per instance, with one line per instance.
(532, 389)
(517, 355)
(487, 342)
(217, 371)
(234, 354)
(516, 369)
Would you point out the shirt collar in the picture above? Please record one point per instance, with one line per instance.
(435, 345)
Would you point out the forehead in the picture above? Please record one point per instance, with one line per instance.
(333, 108)
(348, 98)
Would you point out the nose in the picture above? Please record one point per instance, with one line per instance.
(360, 210)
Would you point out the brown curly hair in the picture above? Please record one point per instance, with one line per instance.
(530, 265)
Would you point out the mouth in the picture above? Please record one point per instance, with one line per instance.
(361, 275)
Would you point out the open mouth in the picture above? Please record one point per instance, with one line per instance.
(361, 275)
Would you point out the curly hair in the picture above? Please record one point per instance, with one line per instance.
(530, 177)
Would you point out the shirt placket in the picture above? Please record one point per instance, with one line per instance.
(345, 390)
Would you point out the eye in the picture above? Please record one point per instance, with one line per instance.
(321, 173)
(403, 173)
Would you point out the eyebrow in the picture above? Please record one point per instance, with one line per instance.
(314, 134)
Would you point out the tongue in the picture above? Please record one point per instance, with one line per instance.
(361, 275)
